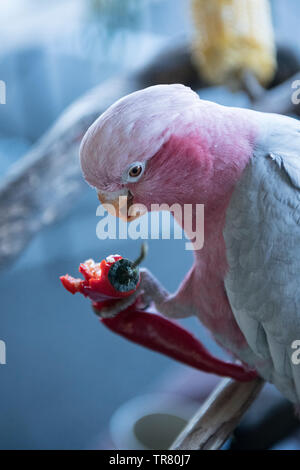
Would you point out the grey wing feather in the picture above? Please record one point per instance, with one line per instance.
(262, 236)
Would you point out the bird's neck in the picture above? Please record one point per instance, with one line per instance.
(216, 148)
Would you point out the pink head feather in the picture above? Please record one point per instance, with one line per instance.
(134, 128)
(195, 149)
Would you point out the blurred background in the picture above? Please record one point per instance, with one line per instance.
(66, 375)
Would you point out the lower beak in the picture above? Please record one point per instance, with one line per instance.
(120, 204)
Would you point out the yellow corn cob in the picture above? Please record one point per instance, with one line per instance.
(232, 36)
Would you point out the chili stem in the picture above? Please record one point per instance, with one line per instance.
(142, 255)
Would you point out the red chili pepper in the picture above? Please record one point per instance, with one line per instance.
(167, 337)
(111, 279)
(116, 278)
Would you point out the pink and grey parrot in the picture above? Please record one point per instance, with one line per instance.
(164, 144)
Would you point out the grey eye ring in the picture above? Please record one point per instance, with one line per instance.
(134, 172)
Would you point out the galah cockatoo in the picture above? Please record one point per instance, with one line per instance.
(164, 144)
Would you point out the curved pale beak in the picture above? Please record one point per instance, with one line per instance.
(121, 204)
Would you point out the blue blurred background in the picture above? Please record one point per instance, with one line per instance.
(65, 374)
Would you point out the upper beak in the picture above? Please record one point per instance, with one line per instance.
(120, 204)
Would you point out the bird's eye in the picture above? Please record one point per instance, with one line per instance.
(135, 171)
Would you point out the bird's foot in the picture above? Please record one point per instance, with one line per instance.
(143, 294)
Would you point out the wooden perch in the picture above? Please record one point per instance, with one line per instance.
(217, 418)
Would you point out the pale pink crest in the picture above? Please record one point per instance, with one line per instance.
(132, 129)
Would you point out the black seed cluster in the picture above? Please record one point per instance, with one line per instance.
(123, 275)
